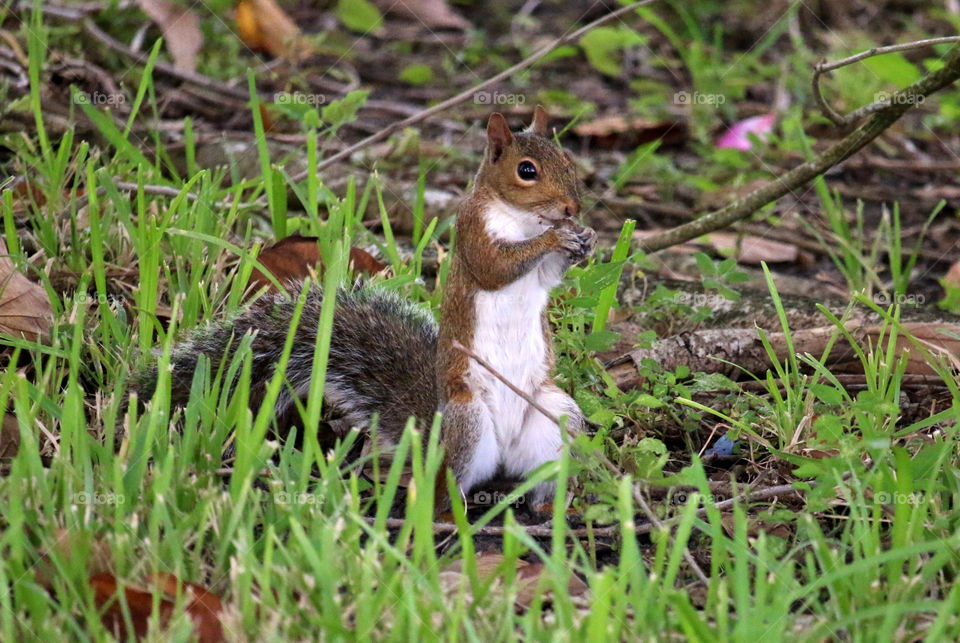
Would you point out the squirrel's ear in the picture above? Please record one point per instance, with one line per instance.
(498, 135)
(540, 119)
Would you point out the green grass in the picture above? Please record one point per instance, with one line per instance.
(296, 541)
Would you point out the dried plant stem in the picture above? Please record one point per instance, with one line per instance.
(604, 460)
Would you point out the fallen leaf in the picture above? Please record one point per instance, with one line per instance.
(203, 607)
(627, 133)
(24, 306)
(297, 257)
(753, 250)
(247, 28)
(939, 341)
(140, 603)
(181, 31)
(432, 13)
(263, 26)
(738, 136)
(363, 261)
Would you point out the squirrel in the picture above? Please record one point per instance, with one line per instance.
(515, 238)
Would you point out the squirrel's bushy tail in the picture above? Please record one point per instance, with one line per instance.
(382, 357)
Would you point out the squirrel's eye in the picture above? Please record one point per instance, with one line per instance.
(527, 171)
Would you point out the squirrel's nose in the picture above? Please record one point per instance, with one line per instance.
(571, 207)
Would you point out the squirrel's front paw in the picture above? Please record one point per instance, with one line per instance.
(578, 243)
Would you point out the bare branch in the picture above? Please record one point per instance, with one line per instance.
(900, 102)
(824, 67)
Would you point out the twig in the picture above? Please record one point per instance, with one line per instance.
(824, 67)
(900, 102)
(510, 385)
(167, 69)
(466, 94)
(610, 466)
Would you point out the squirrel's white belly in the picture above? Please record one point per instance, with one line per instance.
(509, 335)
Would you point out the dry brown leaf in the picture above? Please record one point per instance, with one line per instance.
(432, 13)
(203, 607)
(297, 257)
(247, 27)
(753, 250)
(527, 575)
(264, 26)
(620, 132)
(24, 306)
(181, 31)
(939, 340)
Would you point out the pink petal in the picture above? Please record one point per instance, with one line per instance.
(737, 136)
